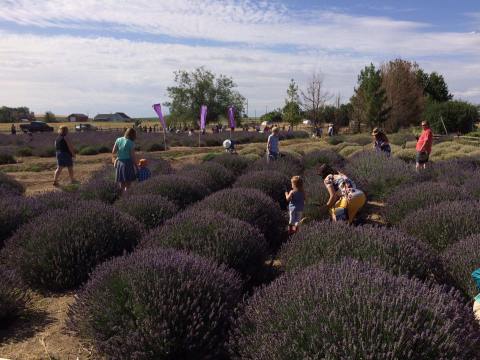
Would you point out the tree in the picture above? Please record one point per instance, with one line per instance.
(274, 116)
(458, 116)
(434, 86)
(315, 98)
(369, 102)
(202, 87)
(404, 93)
(8, 114)
(291, 110)
(50, 117)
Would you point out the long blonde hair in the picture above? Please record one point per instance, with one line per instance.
(63, 130)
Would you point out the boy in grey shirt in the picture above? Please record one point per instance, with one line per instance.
(273, 144)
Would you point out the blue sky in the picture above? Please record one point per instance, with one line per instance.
(117, 55)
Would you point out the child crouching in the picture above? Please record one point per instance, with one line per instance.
(143, 171)
(296, 203)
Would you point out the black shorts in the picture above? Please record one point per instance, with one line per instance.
(422, 157)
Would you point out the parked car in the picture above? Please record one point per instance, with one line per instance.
(36, 126)
(85, 127)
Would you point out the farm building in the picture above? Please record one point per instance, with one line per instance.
(118, 116)
(77, 118)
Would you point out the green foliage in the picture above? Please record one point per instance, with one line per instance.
(434, 86)
(88, 150)
(458, 116)
(8, 115)
(7, 159)
(202, 87)
(24, 151)
(369, 103)
(291, 110)
(274, 116)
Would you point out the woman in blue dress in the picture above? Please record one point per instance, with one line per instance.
(125, 161)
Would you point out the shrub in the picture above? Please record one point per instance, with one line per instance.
(181, 190)
(151, 210)
(252, 206)
(287, 164)
(7, 159)
(335, 140)
(102, 149)
(44, 152)
(388, 249)
(407, 199)
(407, 155)
(24, 151)
(101, 186)
(461, 259)
(214, 235)
(316, 198)
(13, 295)
(214, 176)
(14, 211)
(453, 171)
(9, 185)
(235, 163)
(157, 304)
(377, 174)
(354, 311)
(323, 156)
(443, 224)
(160, 167)
(272, 183)
(401, 138)
(457, 116)
(361, 139)
(57, 250)
(88, 150)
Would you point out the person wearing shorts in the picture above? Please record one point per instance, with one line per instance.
(424, 146)
(273, 145)
(65, 152)
(296, 204)
(345, 199)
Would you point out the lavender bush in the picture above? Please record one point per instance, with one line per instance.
(160, 167)
(214, 176)
(13, 295)
(151, 210)
(407, 199)
(101, 186)
(354, 311)
(322, 156)
(377, 174)
(179, 189)
(57, 250)
(15, 211)
(235, 163)
(316, 197)
(157, 304)
(252, 206)
(388, 249)
(443, 224)
(9, 185)
(213, 235)
(288, 164)
(272, 183)
(461, 259)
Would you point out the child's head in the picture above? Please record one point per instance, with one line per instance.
(325, 170)
(143, 163)
(275, 130)
(297, 183)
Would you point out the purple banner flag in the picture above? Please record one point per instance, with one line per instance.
(203, 117)
(231, 117)
(158, 110)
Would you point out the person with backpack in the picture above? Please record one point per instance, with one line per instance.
(381, 144)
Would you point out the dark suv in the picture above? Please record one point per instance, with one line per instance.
(36, 126)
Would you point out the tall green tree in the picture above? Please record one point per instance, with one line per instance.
(369, 102)
(291, 110)
(50, 117)
(202, 87)
(434, 86)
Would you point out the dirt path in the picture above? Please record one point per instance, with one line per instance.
(41, 333)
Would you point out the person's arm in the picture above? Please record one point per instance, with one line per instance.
(114, 151)
(70, 147)
(476, 277)
(333, 196)
(288, 195)
(268, 144)
(133, 156)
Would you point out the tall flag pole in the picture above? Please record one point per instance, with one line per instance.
(203, 121)
(231, 118)
(158, 110)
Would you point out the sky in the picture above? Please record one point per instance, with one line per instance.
(102, 56)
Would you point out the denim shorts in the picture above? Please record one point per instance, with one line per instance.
(295, 216)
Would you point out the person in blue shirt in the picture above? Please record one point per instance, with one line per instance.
(296, 204)
(125, 161)
(143, 171)
(476, 304)
(273, 150)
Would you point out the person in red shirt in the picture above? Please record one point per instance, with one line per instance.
(424, 146)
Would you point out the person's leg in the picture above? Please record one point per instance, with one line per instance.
(56, 175)
(70, 173)
(476, 310)
(354, 206)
